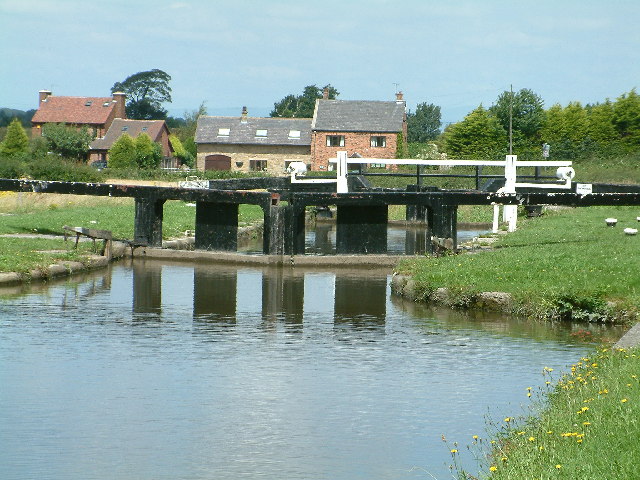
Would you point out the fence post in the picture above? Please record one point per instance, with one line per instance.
(341, 182)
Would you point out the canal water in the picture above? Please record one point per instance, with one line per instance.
(177, 371)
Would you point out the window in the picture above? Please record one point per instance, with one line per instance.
(257, 165)
(378, 141)
(125, 128)
(144, 129)
(335, 140)
(261, 133)
(224, 132)
(106, 104)
(294, 133)
(88, 103)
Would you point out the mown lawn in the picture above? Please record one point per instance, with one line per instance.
(566, 263)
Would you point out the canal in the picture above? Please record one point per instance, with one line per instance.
(176, 371)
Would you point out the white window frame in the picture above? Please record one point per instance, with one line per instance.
(224, 132)
(377, 139)
(261, 132)
(331, 139)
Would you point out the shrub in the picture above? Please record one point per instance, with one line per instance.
(55, 168)
(122, 154)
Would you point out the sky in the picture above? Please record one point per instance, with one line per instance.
(230, 54)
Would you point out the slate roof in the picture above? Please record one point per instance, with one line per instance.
(75, 110)
(358, 116)
(133, 128)
(244, 133)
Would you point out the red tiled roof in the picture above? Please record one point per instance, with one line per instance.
(133, 128)
(74, 110)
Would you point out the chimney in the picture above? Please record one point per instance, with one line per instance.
(325, 93)
(42, 95)
(399, 97)
(119, 99)
(243, 118)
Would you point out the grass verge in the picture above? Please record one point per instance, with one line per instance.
(586, 426)
(46, 214)
(566, 265)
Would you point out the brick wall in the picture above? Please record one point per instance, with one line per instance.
(276, 156)
(354, 142)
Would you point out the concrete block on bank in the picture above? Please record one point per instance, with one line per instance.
(10, 278)
(499, 301)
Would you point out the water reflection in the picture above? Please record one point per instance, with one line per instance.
(253, 373)
(214, 295)
(147, 287)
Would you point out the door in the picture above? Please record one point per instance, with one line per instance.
(217, 162)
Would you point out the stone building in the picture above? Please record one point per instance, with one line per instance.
(252, 143)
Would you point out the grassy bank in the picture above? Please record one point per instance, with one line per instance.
(46, 214)
(584, 427)
(565, 265)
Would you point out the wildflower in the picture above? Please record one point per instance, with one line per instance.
(624, 400)
(549, 432)
(541, 448)
(532, 439)
(453, 450)
(520, 433)
(475, 437)
(558, 466)
(586, 423)
(508, 419)
(504, 459)
(493, 468)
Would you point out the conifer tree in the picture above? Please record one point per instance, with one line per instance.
(16, 140)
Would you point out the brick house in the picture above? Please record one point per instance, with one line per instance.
(361, 127)
(96, 113)
(156, 129)
(252, 143)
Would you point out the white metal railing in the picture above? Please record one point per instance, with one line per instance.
(564, 173)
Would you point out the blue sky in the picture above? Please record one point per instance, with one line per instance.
(253, 52)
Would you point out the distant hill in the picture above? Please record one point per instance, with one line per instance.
(8, 114)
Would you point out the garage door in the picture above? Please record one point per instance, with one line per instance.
(217, 162)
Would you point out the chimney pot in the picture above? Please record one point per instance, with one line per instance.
(399, 96)
(325, 93)
(244, 115)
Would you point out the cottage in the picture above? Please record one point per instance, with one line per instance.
(156, 129)
(252, 143)
(95, 113)
(359, 127)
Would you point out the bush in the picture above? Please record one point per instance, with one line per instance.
(122, 154)
(56, 168)
(12, 167)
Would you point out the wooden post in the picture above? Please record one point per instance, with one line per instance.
(216, 226)
(362, 229)
(148, 221)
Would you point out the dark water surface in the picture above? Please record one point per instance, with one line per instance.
(175, 371)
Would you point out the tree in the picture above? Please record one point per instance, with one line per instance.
(302, 106)
(180, 152)
(122, 153)
(69, 142)
(148, 153)
(626, 117)
(479, 135)
(525, 111)
(16, 140)
(424, 125)
(146, 91)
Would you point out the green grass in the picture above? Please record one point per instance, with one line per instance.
(564, 265)
(115, 216)
(585, 427)
(25, 254)
(29, 216)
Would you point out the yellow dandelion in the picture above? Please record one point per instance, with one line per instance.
(475, 437)
(586, 423)
(493, 468)
(520, 433)
(624, 400)
(453, 450)
(532, 439)
(558, 466)
(504, 459)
